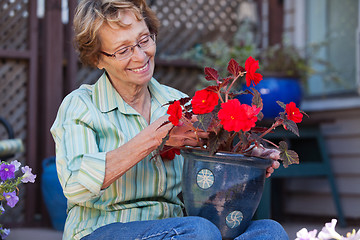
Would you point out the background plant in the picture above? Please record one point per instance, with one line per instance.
(10, 179)
(282, 59)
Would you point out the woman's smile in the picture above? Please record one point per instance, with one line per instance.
(142, 69)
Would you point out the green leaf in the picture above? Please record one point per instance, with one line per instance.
(161, 146)
(203, 121)
(216, 140)
(287, 156)
(281, 104)
(211, 74)
(233, 67)
(164, 141)
(257, 100)
(291, 126)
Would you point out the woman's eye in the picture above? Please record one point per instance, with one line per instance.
(123, 51)
(144, 40)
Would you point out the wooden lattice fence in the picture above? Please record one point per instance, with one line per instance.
(16, 72)
(185, 23)
(13, 107)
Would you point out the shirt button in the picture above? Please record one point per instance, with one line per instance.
(161, 190)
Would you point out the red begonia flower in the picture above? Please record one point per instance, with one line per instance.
(251, 65)
(175, 112)
(169, 152)
(293, 113)
(235, 116)
(204, 101)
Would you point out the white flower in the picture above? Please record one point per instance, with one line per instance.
(303, 234)
(328, 232)
(28, 176)
(352, 236)
(17, 164)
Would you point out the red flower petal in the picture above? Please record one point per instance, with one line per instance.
(175, 112)
(169, 152)
(235, 116)
(293, 113)
(204, 101)
(251, 65)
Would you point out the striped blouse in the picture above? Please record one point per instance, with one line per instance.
(91, 121)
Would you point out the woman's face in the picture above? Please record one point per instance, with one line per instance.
(139, 68)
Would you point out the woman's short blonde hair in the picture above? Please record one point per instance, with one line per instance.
(90, 15)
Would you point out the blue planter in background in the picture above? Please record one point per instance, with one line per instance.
(274, 89)
(225, 188)
(52, 192)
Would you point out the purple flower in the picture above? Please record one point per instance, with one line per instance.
(4, 232)
(11, 198)
(28, 176)
(16, 163)
(7, 171)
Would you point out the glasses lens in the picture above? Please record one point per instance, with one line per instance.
(147, 41)
(127, 52)
(123, 53)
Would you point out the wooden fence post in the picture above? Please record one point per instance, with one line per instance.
(53, 76)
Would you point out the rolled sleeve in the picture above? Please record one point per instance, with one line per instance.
(92, 172)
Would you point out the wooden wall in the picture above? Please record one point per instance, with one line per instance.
(313, 196)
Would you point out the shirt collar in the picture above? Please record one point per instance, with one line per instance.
(106, 98)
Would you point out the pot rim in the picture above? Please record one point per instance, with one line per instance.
(228, 157)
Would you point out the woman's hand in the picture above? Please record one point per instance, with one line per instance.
(274, 154)
(181, 135)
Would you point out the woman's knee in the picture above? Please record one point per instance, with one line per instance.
(268, 228)
(203, 228)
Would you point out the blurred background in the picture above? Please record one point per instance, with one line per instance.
(316, 41)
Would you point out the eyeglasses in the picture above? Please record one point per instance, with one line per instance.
(126, 52)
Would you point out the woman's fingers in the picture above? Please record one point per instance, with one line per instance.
(186, 139)
(275, 165)
(270, 170)
(266, 153)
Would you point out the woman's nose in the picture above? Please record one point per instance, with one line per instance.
(138, 53)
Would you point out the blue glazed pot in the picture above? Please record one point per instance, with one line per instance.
(225, 189)
(52, 192)
(274, 89)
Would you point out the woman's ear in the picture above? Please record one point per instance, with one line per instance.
(99, 64)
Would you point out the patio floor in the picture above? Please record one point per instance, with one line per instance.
(47, 234)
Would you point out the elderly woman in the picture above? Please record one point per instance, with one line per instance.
(106, 134)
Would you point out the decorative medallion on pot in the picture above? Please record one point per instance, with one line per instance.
(223, 178)
(205, 178)
(234, 219)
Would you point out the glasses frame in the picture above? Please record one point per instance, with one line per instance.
(132, 47)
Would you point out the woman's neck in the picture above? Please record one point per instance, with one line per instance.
(138, 97)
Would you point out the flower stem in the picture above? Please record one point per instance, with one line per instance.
(231, 85)
(221, 99)
(276, 124)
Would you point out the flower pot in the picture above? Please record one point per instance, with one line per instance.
(272, 89)
(54, 199)
(225, 188)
